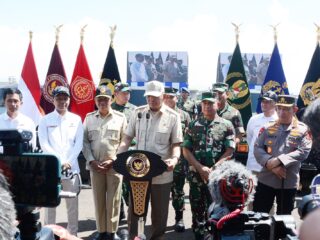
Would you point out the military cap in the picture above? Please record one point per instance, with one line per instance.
(103, 91)
(170, 91)
(208, 96)
(61, 90)
(184, 89)
(286, 101)
(122, 87)
(220, 87)
(154, 88)
(269, 95)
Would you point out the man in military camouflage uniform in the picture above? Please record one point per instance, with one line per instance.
(180, 170)
(122, 98)
(121, 104)
(186, 104)
(208, 142)
(228, 112)
(280, 149)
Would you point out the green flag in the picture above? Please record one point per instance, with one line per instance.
(239, 96)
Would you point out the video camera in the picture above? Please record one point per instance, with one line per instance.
(34, 178)
(34, 181)
(231, 185)
(312, 201)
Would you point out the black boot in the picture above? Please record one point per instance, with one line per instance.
(112, 236)
(100, 236)
(124, 234)
(179, 226)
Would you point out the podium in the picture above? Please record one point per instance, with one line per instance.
(138, 168)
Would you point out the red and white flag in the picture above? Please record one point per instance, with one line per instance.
(82, 87)
(30, 87)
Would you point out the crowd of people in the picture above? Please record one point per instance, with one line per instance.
(191, 138)
(145, 68)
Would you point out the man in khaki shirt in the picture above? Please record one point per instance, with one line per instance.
(103, 132)
(157, 129)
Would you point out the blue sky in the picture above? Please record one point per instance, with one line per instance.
(202, 28)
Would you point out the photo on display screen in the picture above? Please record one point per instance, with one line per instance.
(255, 66)
(168, 67)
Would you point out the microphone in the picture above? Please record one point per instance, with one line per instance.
(230, 185)
(138, 136)
(145, 136)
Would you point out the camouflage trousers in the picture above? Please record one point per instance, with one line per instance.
(200, 200)
(179, 179)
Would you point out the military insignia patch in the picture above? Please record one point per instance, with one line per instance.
(82, 90)
(53, 81)
(138, 165)
(310, 91)
(272, 86)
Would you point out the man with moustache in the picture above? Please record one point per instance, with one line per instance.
(209, 140)
(280, 149)
(157, 129)
(103, 132)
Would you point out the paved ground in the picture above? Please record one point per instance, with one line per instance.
(87, 227)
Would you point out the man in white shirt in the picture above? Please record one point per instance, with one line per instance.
(256, 122)
(138, 70)
(61, 133)
(12, 118)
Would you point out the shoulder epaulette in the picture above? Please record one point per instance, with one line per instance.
(141, 107)
(118, 113)
(171, 111)
(91, 113)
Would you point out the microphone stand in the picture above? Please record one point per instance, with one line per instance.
(138, 136)
(147, 125)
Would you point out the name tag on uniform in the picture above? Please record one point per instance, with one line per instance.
(52, 126)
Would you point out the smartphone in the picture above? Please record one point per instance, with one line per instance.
(34, 178)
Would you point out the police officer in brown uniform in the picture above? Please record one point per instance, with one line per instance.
(280, 148)
(103, 131)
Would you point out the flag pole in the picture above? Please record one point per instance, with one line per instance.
(58, 32)
(82, 33)
(112, 33)
(318, 33)
(30, 35)
(275, 32)
(237, 31)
